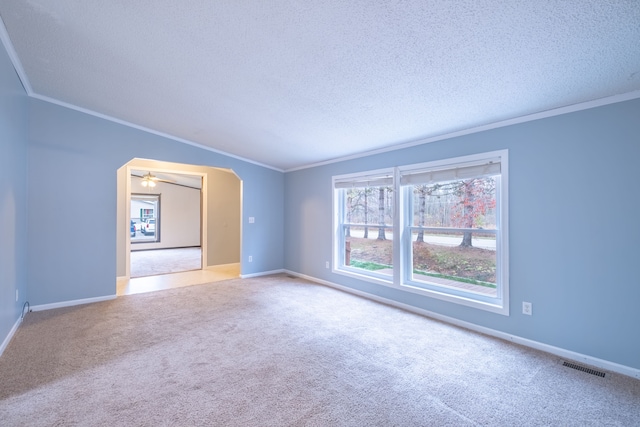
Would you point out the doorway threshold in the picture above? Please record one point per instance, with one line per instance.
(161, 282)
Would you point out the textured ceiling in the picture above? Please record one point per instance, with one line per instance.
(293, 83)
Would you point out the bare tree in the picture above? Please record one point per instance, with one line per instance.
(366, 212)
(422, 194)
(381, 229)
(349, 213)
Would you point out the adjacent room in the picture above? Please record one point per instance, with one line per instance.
(182, 222)
(319, 213)
(165, 223)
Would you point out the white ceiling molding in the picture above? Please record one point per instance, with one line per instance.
(294, 84)
(15, 60)
(531, 117)
(152, 131)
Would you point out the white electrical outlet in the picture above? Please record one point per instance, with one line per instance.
(527, 308)
(250, 258)
(251, 220)
(326, 264)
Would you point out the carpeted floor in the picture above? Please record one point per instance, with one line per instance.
(163, 261)
(278, 351)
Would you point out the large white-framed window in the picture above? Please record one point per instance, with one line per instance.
(364, 206)
(446, 231)
(455, 223)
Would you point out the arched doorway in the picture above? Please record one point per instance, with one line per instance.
(218, 234)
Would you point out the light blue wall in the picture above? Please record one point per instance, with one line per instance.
(573, 212)
(13, 204)
(73, 158)
(574, 228)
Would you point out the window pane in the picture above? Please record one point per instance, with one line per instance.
(367, 224)
(145, 225)
(369, 254)
(368, 205)
(462, 204)
(441, 259)
(454, 235)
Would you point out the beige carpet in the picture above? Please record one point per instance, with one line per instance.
(163, 261)
(279, 351)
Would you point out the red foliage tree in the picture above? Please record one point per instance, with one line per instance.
(476, 196)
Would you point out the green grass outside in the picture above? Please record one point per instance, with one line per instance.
(367, 265)
(457, 279)
(372, 266)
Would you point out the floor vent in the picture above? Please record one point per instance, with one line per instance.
(583, 369)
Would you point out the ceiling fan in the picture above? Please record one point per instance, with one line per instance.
(150, 180)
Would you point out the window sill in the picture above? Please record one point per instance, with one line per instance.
(497, 308)
(372, 278)
(461, 300)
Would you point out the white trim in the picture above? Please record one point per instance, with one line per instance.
(262, 273)
(476, 159)
(10, 335)
(148, 130)
(362, 177)
(557, 351)
(127, 221)
(451, 172)
(366, 275)
(71, 303)
(514, 121)
(204, 223)
(240, 256)
(15, 60)
(6, 40)
(457, 299)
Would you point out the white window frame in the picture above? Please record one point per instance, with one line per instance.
(498, 304)
(375, 177)
(402, 223)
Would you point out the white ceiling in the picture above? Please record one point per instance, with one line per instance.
(293, 83)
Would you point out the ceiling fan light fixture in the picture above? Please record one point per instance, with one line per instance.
(148, 180)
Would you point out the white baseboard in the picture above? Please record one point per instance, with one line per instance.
(262, 273)
(578, 357)
(71, 303)
(10, 335)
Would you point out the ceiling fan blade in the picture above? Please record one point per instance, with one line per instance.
(150, 177)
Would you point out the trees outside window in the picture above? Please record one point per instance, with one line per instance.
(365, 220)
(450, 239)
(454, 232)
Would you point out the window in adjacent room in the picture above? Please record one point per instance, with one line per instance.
(145, 218)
